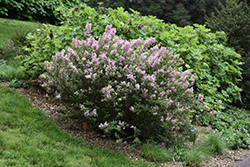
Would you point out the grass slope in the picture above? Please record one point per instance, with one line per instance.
(9, 26)
(28, 138)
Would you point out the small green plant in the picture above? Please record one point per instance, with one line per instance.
(15, 83)
(9, 71)
(214, 143)
(155, 153)
(233, 124)
(195, 156)
(14, 45)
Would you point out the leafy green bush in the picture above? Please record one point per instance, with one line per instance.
(204, 53)
(127, 89)
(234, 19)
(42, 10)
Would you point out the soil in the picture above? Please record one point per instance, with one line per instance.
(55, 110)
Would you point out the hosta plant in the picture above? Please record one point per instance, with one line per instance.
(129, 90)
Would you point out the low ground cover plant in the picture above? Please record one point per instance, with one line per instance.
(131, 91)
(192, 155)
(234, 126)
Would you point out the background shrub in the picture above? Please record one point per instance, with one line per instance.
(237, 32)
(30, 10)
(128, 90)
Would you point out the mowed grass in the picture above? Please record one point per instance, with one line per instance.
(9, 26)
(28, 138)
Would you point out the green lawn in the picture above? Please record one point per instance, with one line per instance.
(8, 27)
(28, 138)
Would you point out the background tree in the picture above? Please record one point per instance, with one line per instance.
(42, 10)
(180, 12)
(234, 19)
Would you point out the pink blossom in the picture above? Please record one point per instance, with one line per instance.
(131, 108)
(190, 90)
(95, 45)
(192, 79)
(58, 96)
(113, 52)
(88, 26)
(200, 97)
(126, 47)
(86, 113)
(94, 112)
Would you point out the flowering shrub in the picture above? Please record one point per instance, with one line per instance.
(205, 53)
(127, 89)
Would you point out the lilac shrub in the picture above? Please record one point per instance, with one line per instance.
(127, 89)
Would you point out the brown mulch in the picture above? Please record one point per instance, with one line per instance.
(55, 110)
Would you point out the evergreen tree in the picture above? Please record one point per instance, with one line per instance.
(180, 12)
(234, 19)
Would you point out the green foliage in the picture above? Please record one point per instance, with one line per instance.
(180, 12)
(9, 71)
(195, 156)
(214, 143)
(234, 20)
(216, 66)
(43, 47)
(42, 10)
(155, 153)
(15, 83)
(234, 126)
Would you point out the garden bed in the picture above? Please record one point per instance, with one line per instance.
(55, 110)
